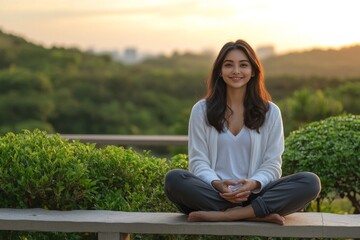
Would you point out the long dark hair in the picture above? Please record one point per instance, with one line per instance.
(256, 102)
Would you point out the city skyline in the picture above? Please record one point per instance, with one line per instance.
(162, 27)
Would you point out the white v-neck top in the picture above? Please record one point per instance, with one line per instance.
(233, 155)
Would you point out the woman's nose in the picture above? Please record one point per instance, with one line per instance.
(236, 70)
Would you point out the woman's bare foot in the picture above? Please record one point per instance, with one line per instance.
(232, 214)
(272, 218)
(207, 216)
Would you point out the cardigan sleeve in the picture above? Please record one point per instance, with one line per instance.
(271, 148)
(199, 153)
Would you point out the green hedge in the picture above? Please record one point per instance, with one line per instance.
(41, 171)
(331, 149)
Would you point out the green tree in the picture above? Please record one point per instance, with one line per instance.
(349, 94)
(306, 106)
(26, 100)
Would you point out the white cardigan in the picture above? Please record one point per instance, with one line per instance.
(266, 146)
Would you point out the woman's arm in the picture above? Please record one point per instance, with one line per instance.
(199, 149)
(271, 149)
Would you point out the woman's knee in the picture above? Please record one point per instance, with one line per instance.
(313, 184)
(173, 178)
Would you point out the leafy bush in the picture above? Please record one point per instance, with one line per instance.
(42, 171)
(130, 181)
(330, 148)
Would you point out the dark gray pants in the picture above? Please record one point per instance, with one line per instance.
(283, 196)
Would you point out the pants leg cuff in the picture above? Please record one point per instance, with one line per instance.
(259, 207)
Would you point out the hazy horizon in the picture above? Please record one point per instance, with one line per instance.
(162, 27)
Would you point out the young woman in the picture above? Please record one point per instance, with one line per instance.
(235, 146)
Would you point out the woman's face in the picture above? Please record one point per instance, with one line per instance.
(236, 69)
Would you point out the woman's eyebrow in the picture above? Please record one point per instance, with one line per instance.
(228, 60)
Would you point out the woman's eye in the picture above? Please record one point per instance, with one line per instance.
(228, 65)
(243, 65)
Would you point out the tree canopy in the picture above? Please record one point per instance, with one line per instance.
(66, 90)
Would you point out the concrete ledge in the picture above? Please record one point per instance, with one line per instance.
(304, 225)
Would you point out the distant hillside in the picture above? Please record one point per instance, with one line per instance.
(343, 63)
(67, 90)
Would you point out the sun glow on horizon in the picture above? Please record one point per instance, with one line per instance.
(194, 25)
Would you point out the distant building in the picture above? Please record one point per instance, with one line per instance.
(130, 56)
(265, 52)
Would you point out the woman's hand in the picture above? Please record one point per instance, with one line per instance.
(223, 185)
(229, 192)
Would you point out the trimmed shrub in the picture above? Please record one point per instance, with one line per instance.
(330, 148)
(130, 181)
(42, 171)
(37, 171)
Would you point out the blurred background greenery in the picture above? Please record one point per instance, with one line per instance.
(66, 90)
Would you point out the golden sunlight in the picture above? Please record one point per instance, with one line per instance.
(164, 26)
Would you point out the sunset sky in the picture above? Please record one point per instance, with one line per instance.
(162, 26)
